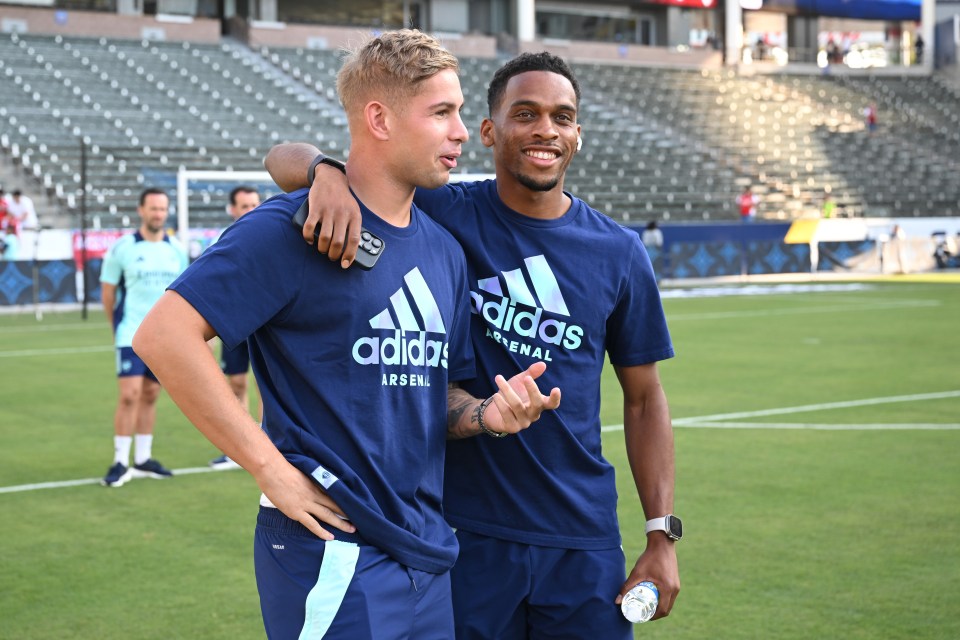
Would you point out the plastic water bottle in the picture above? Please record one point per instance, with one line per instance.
(640, 603)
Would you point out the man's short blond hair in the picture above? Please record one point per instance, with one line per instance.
(390, 68)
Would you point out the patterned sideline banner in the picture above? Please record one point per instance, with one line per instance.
(56, 282)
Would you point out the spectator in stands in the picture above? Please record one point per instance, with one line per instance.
(918, 49)
(834, 55)
(235, 362)
(536, 515)
(346, 414)
(652, 236)
(21, 208)
(747, 204)
(870, 117)
(829, 206)
(136, 270)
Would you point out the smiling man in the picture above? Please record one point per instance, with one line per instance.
(551, 279)
(342, 444)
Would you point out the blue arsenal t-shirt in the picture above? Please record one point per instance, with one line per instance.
(352, 365)
(565, 291)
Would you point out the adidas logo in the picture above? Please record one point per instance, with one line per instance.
(412, 309)
(534, 288)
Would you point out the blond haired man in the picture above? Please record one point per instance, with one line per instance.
(357, 404)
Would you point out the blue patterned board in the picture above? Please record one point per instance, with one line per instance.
(846, 255)
(733, 258)
(777, 257)
(56, 282)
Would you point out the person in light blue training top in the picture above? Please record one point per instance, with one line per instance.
(550, 279)
(351, 543)
(136, 270)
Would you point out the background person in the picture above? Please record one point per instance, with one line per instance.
(235, 362)
(136, 270)
(747, 204)
(9, 243)
(652, 236)
(21, 208)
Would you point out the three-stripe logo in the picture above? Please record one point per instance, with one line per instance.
(412, 310)
(515, 302)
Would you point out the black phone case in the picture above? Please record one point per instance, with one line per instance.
(371, 245)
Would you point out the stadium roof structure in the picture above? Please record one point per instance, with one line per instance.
(862, 9)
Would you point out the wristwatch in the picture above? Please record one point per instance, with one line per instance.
(669, 524)
(322, 159)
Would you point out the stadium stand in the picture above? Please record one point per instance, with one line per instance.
(659, 143)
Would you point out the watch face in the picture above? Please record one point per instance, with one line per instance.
(674, 527)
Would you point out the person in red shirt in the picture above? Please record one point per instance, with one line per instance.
(747, 203)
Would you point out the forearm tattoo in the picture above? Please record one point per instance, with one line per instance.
(460, 402)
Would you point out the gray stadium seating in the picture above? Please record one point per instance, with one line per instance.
(658, 143)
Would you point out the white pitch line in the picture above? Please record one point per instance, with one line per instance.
(822, 427)
(759, 313)
(720, 420)
(40, 328)
(717, 421)
(818, 407)
(76, 483)
(26, 353)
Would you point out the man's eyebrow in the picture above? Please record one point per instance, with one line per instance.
(530, 102)
(442, 104)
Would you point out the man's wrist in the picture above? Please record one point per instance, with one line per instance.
(322, 159)
(478, 417)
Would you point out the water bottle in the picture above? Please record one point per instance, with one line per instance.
(640, 603)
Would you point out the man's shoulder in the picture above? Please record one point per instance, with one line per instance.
(123, 243)
(605, 223)
(438, 233)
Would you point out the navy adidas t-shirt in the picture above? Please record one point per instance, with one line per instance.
(352, 365)
(564, 291)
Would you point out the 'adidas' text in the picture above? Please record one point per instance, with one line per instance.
(503, 315)
(399, 350)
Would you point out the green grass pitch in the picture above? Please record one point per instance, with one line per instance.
(818, 475)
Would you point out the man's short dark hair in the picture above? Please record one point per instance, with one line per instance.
(151, 191)
(17, 193)
(241, 189)
(543, 61)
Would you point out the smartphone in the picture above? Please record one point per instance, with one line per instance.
(371, 245)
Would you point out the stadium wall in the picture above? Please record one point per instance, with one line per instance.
(280, 34)
(628, 54)
(95, 24)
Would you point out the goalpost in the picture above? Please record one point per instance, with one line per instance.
(185, 176)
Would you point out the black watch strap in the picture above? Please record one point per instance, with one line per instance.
(322, 159)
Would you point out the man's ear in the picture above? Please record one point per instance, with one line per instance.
(377, 117)
(486, 133)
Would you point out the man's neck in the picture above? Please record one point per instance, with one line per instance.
(384, 196)
(544, 205)
(151, 236)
